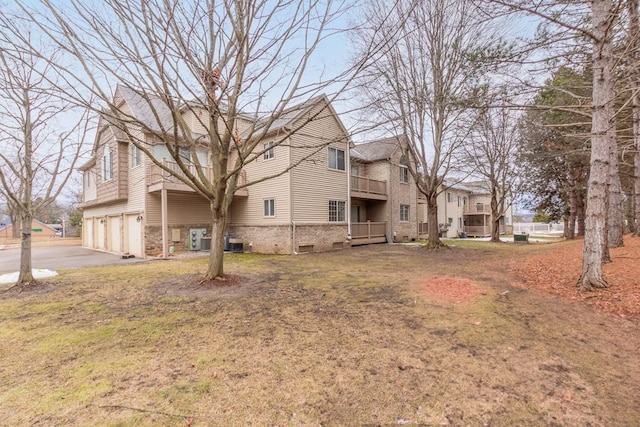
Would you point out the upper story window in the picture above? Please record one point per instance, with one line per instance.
(87, 178)
(336, 159)
(449, 197)
(107, 164)
(269, 152)
(185, 154)
(459, 201)
(136, 156)
(404, 170)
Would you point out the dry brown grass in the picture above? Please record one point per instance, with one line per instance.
(344, 338)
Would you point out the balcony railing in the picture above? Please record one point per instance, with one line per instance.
(368, 231)
(477, 208)
(361, 184)
(159, 176)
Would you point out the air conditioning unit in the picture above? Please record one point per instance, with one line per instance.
(205, 243)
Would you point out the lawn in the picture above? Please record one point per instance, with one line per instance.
(378, 335)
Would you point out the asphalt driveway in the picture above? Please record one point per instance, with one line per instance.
(60, 258)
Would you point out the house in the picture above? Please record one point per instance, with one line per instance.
(39, 230)
(465, 207)
(384, 197)
(131, 206)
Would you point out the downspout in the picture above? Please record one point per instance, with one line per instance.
(348, 192)
(291, 221)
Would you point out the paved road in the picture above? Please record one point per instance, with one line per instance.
(60, 258)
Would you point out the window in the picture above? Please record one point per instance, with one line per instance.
(336, 210)
(107, 164)
(449, 198)
(270, 207)
(404, 213)
(136, 156)
(459, 201)
(336, 159)
(460, 223)
(450, 221)
(464, 201)
(87, 179)
(404, 170)
(268, 153)
(185, 154)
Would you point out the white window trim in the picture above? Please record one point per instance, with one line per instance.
(404, 174)
(136, 156)
(338, 210)
(107, 164)
(344, 159)
(408, 213)
(269, 210)
(269, 152)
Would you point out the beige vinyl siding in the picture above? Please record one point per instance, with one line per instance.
(107, 190)
(313, 183)
(251, 210)
(137, 187)
(198, 121)
(106, 210)
(182, 208)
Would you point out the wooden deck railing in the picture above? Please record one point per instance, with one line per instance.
(477, 208)
(362, 184)
(367, 230)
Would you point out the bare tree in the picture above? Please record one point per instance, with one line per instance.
(237, 66)
(39, 152)
(491, 154)
(604, 207)
(424, 83)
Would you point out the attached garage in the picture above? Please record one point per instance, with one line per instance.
(100, 228)
(133, 235)
(114, 233)
(87, 233)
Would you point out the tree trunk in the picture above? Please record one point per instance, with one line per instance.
(26, 275)
(17, 226)
(580, 215)
(634, 30)
(615, 214)
(595, 247)
(215, 268)
(570, 232)
(495, 216)
(433, 239)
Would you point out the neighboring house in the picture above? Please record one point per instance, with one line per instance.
(465, 207)
(38, 230)
(384, 197)
(129, 203)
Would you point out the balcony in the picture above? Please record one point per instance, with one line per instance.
(363, 233)
(159, 179)
(366, 188)
(485, 230)
(478, 208)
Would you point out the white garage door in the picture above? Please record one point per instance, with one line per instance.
(100, 233)
(87, 233)
(133, 236)
(114, 233)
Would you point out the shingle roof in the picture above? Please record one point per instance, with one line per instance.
(372, 151)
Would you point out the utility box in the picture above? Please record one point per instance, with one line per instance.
(195, 237)
(521, 238)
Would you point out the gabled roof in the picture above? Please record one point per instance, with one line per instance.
(381, 149)
(473, 187)
(146, 110)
